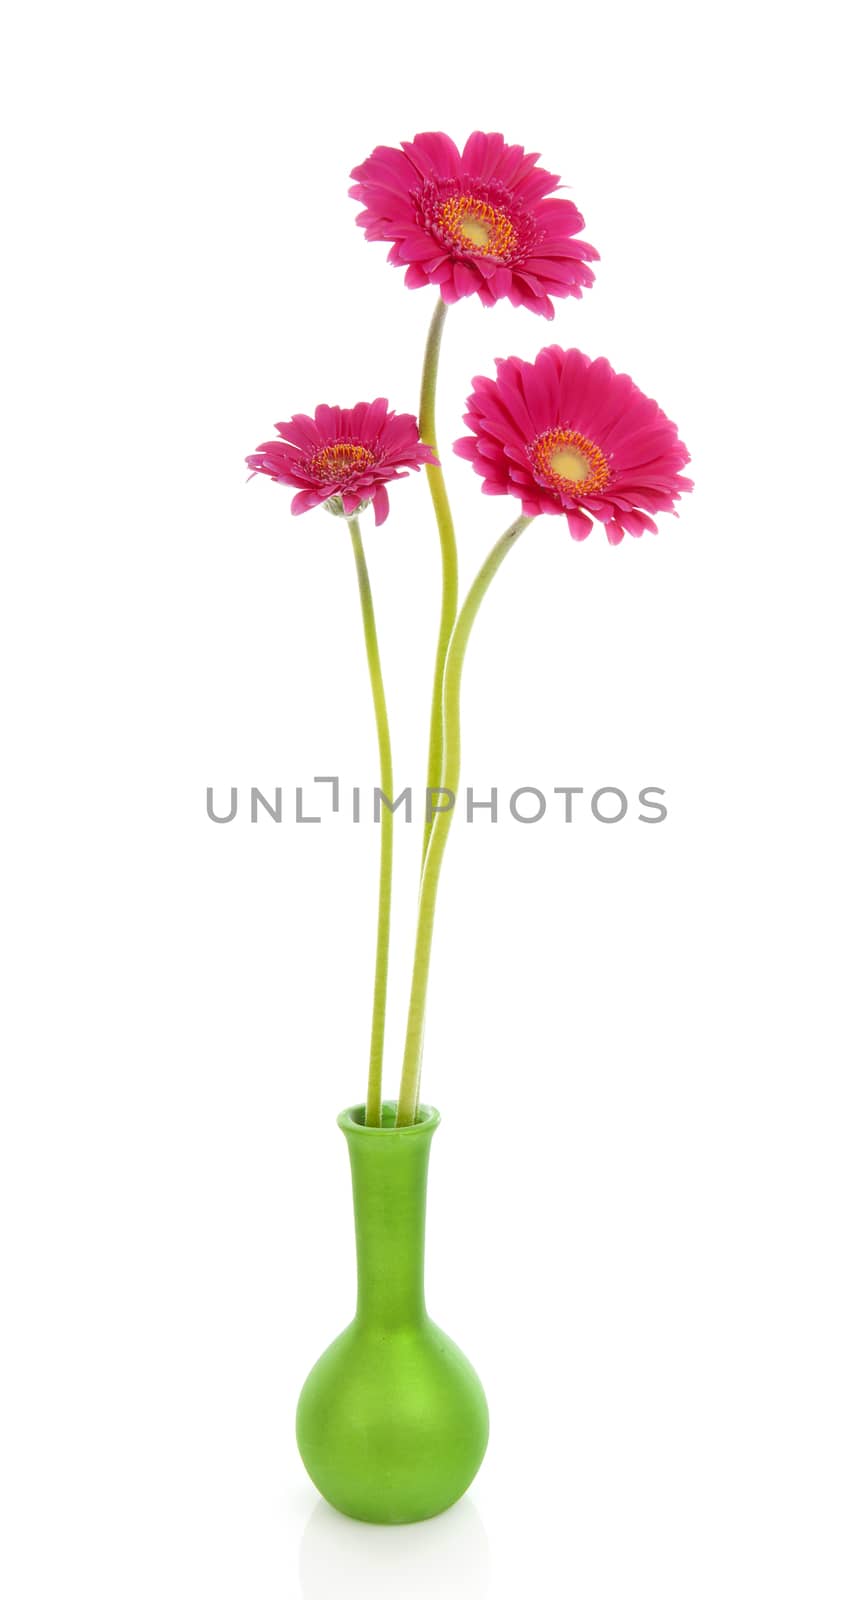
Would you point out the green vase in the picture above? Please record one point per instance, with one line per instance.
(392, 1421)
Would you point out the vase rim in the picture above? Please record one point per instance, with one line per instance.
(352, 1122)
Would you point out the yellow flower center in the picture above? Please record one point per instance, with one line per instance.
(340, 460)
(570, 464)
(481, 227)
(568, 461)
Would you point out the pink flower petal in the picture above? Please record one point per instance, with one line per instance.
(351, 452)
(534, 418)
(421, 198)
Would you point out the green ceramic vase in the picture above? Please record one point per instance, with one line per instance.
(392, 1421)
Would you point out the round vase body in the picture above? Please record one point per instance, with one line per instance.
(392, 1422)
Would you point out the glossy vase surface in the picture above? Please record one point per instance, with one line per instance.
(392, 1421)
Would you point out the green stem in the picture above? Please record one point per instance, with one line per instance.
(410, 1080)
(373, 1114)
(436, 483)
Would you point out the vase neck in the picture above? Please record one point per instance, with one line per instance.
(389, 1184)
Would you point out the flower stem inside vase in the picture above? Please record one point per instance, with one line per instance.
(386, 843)
(448, 546)
(411, 1076)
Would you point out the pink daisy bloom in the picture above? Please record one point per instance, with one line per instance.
(482, 221)
(343, 457)
(570, 436)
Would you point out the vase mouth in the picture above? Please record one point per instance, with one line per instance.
(352, 1122)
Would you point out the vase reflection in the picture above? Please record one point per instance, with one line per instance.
(445, 1556)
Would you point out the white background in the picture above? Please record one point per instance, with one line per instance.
(646, 1193)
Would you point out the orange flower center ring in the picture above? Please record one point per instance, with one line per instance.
(478, 226)
(340, 460)
(568, 461)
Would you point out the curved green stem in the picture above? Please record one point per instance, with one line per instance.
(445, 523)
(373, 1114)
(410, 1080)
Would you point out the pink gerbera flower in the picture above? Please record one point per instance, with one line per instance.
(570, 436)
(482, 222)
(343, 458)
